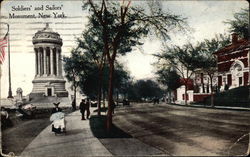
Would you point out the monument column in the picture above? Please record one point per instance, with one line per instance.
(60, 62)
(44, 61)
(57, 62)
(36, 62)
(40, 61)
(51, 61)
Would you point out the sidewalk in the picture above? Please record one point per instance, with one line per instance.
(80, 141)
(215, 107)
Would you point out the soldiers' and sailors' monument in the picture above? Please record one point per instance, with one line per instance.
(48, 79)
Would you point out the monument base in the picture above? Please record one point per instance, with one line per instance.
(48, 87)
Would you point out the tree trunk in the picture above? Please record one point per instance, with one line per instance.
(99, 91)
(212, 92)
(169, 97)
(110, 95)
(74, 101)
(185, 97)
(103, 99)
(74, 92)
(117, 97)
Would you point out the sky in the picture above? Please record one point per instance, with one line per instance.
(204, 17)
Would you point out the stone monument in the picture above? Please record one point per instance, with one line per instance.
(48, 79)
(19, 94)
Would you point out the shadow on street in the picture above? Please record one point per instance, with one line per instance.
(98, 127)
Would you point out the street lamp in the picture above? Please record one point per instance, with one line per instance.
(7, 34)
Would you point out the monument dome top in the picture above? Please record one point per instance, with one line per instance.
(47, 28)
(47, 35)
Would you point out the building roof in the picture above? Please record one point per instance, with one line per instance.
(239, 45)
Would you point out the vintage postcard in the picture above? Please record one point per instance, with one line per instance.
(124, 78)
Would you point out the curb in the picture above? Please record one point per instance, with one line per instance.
(215, 107)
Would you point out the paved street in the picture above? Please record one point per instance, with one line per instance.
(179, 130)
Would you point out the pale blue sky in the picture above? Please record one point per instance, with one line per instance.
(205, 17)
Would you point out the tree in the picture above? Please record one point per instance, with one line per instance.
(92, 46)
(240, 23)
(169, 77)
(206, 56)
(89, 85)
(132, 93)
(183, 59)
(121, 80)
(75, 70)
(122, 27)
(81, 65)
(147, 89)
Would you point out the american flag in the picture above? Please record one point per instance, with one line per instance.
(3, 44)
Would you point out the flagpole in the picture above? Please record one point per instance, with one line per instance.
(8, 34)
(10, 91)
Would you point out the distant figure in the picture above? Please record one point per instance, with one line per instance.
(56, 108)
(125, 102)
(156, 101)
(87, 107)
(82, 108)
(73, 104)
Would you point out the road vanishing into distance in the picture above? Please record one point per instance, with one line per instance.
(186, 131)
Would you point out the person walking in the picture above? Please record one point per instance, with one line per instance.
(87, 107)
(82, 108)
(56, 108)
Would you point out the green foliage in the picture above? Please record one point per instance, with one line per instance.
(121, 79)
(91, 41)
(240, 23)
(123, 27)
(76, 67)
(79, 70)
(208, 47)
(183, 59)
(89, 84)
(168, 77)
(191, 57)
(144, 89)
(80, 65)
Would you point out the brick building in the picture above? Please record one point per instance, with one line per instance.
(233, 71)
(233, 64)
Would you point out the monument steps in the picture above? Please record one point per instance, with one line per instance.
(47, 102)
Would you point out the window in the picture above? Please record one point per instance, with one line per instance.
(240, 81)
(219, 80)
(229, 79)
